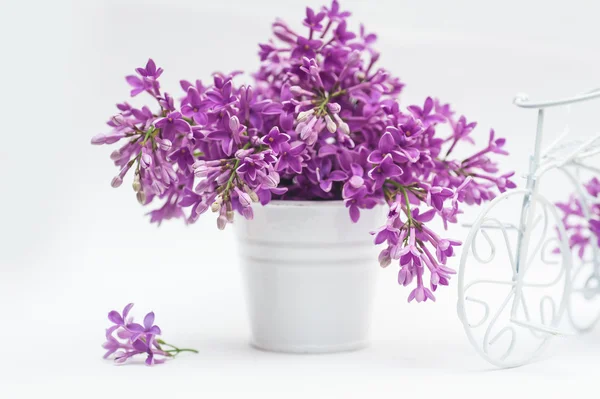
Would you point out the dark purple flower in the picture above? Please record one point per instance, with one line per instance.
(251, 165)
(342, 34)
(387, 148)
(139, 85)
(359, 200)
(173, 124)
(326, 176)
(290, 157)
(593, 187)
(306, 47)
(194, 108)
(147, 329)
(148, 80)
(386, 233)
(275, 139)
(312, 20)
(437, 195)
(182, 156)
(334, 12)
(120, 319)
(425, 114)
(150, 71)
(385, 170)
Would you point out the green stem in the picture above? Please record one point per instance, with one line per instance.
(405, 194)
(233, 174)
(181, 350)
(403, 190)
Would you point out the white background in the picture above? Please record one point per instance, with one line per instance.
(72, 248)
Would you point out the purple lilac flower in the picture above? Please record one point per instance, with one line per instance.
(125, 339)
(595, 229)
(320, 121)
(581, 232)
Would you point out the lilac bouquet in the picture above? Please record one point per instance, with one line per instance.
(125, 339)
(582, 233)
(320, 122)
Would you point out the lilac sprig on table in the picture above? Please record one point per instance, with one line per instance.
(321, 122)
(125, 339)
(582, 232)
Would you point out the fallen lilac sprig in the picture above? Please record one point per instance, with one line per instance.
(322, 121)
(126, 339)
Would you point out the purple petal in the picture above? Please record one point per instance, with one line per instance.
(126, 310)
(375, 157)
(149, 320)
(338, 175)
(140, 345)
(154, 330)
(326, 185)
(182, 126)
(134, 327)
(297, 149)
(115, 317)
(354, 213)
(386, 143)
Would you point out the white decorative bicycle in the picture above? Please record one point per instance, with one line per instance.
(499, 284)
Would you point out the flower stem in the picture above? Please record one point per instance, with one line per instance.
(175, 349)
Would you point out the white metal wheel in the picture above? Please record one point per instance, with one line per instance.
(511, 297)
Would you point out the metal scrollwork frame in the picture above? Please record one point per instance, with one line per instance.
(537, 212)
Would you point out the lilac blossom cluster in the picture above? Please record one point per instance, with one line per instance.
(125, 339)
(321, 122)
(582, 233)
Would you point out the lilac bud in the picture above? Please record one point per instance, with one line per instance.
(270, 180)
(201, 170)
(353, 59)
(137, 186)
(203, 185)
(223, 177)
(356, 181)
(334, 108)
(304, 115)
(331, 126)
(248, 213)
(116, 181)
(216, 206)
(201, 208)
(241, 154)
(253, 195)
(342, 125)
(99, 139)
(230, 216)
(379, 77)
(171, 172)
(234, 124)
(435, 278)
(165, 144)
(141, 197)
(297, 90)
(384, 258)
(115, 155)
(221, 222)
(243, 197)
(146, 161)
